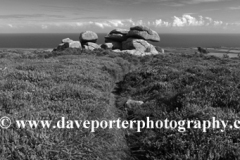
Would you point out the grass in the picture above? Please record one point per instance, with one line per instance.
(180, 87)
(79, 84)
(71, 84)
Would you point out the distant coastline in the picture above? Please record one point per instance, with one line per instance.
(49, 40)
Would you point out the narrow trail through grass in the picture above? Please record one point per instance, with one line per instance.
(95, 85)
(71, 84)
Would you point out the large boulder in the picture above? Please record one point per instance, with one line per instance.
(143, 32)
(74, 44)
(88, 36)
(112, 45)
(139, 45)
(120, 31)
(91, 46)
(117, 35)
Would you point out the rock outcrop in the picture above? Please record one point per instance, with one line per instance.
(139, 45)
(88, 36)
(133, 41)
(143, 32)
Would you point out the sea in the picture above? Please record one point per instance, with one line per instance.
(47, 40)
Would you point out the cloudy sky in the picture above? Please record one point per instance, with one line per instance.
(164, 16)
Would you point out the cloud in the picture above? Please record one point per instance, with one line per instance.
(184, 21)
(160, 23)
(116, 23)
(209, 19)
(10, 25)
(102, 25)
(187, 20)
(234, 8)
(217, 23)
(44, 26)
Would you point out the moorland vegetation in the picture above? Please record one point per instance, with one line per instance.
(94, 85)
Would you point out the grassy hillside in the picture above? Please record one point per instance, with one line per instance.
(181, 87)
(79, 85)
(72, 84)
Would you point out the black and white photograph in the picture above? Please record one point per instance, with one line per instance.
(119, 79)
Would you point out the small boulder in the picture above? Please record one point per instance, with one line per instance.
(68, 43)
(131, 104)
(202, 50)
(112, 45)
(88, 36)
(159, 49)
(54, 49)
(66, 40)
(107, 46)
(139, 45)
(116, 50)
(134, 52)
(137, 53)
(91, 46)
(143, 32)
(62, 46)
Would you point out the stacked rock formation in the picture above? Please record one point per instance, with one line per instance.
(133, 41)
(68, 43)
(137, 42)
(88, 40)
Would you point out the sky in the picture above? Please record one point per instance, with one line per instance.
(101, 16)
